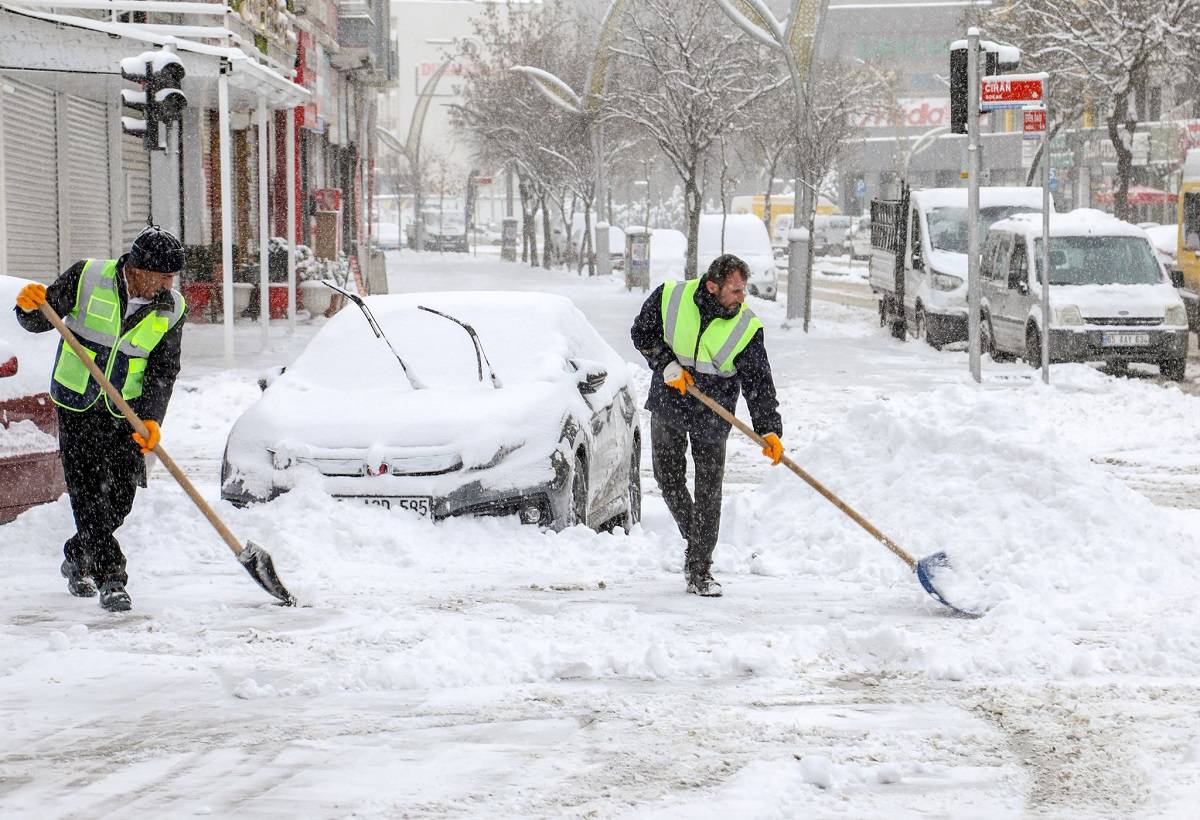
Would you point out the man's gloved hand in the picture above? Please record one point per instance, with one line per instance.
(31, 296)
(149, 443)
(675, 376)
(774, 448)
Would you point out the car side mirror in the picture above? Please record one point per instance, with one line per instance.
(589, 375)
(268, 378)
(591, 382)
(1176, 277)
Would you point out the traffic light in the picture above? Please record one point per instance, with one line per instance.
(997, 59)
(160, 100)
(958, 90)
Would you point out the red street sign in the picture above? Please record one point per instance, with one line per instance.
(1033, 120)
(483, 180)
(1011, 91)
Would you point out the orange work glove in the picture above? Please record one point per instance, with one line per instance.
(675, 376)
(774, 448)
(149, 443)
(31, 296)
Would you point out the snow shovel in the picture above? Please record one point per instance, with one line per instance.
(926, 569)
(254, 558)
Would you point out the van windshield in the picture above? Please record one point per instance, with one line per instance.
(1100, 260)
(948, 226)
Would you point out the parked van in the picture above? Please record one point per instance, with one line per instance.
(918, 262)
(1110, 299)
(745, 236)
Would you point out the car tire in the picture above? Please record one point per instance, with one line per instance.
(633, 510)
(1033, 347)
(921, 328)
(577, 506)
(987, 341)
(1173, 369)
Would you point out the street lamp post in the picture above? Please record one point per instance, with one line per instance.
(796, 38)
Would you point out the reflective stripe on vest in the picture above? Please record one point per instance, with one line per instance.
(96, 320)
(722, 340)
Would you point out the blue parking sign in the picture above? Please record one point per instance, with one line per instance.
(1053, 179)
(860, 188)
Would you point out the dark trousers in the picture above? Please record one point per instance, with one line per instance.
(698, 518)
(103, 467)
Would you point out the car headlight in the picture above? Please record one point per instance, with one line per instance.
(1068, 315)
(1176, 315)
(944, 281)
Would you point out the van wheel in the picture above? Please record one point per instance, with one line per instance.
(1033, 347)
(921, 328)
(987, 341)
(1173, 369)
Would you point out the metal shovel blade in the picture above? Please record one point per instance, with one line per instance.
(927, 572)
(258, 563)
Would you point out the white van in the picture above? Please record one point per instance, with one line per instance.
(928, 273)
(1110, 299)
(746, 237)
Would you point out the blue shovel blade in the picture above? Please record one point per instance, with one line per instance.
(927, 572)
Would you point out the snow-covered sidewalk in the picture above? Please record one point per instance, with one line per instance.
(482, 668)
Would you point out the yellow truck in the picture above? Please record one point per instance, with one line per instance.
(1186, 276)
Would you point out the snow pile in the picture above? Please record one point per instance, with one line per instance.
(1057, 544)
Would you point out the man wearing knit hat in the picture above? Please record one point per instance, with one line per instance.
(130, 320)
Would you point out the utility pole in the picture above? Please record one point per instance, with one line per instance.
(973, 201)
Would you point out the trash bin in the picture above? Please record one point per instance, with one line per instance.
(637, 258)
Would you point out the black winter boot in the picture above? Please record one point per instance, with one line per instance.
(704, 585)
(114, 598)
(79, 583)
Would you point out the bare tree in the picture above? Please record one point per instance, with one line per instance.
(509, 123)
(1102, 51)
(840, 97)
(685, 77)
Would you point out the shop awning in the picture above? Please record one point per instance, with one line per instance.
(1139, 195)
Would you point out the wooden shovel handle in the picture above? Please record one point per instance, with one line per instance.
(140, 428)
(798, 470)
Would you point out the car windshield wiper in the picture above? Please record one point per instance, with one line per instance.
(480, 357)
(413, 380)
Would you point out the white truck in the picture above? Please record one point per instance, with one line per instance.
(918, 264)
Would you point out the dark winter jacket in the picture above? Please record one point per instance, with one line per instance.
(685, 412)
(163, 365)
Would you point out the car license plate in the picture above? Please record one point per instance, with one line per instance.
(422, 505)
(1125, 339)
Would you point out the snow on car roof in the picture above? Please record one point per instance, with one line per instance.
(745, 234)
(1080, 222)
(527, 337)
(988, 196)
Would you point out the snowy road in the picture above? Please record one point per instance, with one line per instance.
(478, 668)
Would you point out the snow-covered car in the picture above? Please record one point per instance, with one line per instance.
(1110, 299)
(30, 469)
(746, 236)
(444, 231)
(527, 413)
(668, 255)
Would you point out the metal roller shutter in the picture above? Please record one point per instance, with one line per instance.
(30, 193)
(135, 170)
(86, 230)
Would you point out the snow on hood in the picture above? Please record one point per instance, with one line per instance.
(948, 262)
(1137, 301)
(347, 392)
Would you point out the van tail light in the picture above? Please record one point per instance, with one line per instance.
(8, 368)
